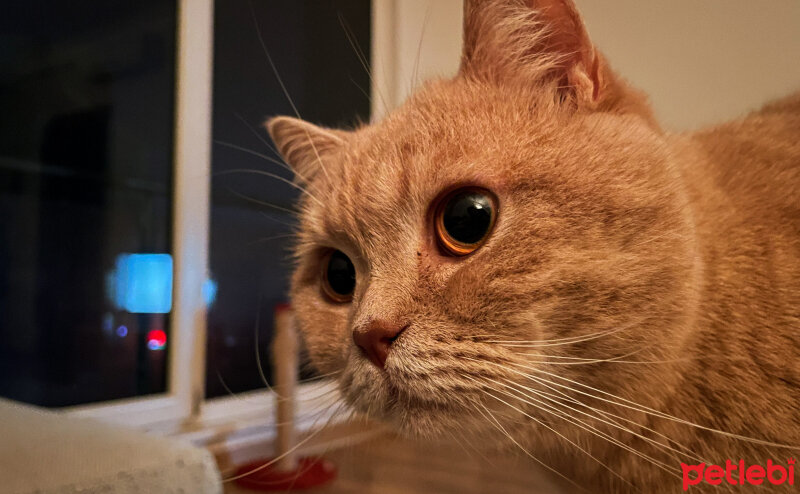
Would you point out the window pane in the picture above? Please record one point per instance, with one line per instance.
(308, 42)
(86, 98)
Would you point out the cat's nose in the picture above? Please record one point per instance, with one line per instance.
(376, 338)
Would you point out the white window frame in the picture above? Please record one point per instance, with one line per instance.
(192, 166)
(243, 422)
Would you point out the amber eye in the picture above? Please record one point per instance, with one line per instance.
(464, 220)
(338, 277)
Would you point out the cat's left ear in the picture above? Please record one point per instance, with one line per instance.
(304, 145)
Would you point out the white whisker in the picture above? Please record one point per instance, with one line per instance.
(498, 426)
(312, 435)
(651, 411)
(661, 446)
(559, 434)
(254, 153)
(263, 140)
(587, 427)
(583, 360)
(276, 177)
(561, 395)
(262, 203)
(557, 341)
(283, 87)
(362, 58)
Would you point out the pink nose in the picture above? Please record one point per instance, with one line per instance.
(376, 338)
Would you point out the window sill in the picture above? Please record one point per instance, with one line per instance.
(241, 428)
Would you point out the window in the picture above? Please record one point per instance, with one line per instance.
(105, 173)
(86, 199)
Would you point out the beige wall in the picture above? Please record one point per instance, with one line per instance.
(701, 61)
(413, 40)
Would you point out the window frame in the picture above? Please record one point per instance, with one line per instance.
(190, 216)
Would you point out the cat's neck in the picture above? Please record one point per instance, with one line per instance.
(743, 184)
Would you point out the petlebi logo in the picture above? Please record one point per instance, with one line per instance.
(738, 473)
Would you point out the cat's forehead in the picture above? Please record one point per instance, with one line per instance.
(450, 133)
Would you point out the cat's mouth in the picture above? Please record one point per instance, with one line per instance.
(415, 395)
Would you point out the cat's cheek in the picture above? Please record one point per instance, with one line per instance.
(324, 357)
(324, 330)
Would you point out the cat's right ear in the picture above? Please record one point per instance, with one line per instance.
(535, 40)
(304, 145)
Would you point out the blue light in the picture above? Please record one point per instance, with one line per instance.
(122, 331)
(154, 345)
(209, 292)
(143, 283)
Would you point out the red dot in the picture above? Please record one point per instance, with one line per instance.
(157, 337)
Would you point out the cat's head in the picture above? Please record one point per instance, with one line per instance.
(521, 216)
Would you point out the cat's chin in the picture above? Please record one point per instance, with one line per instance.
(409, 411)
(424, 421)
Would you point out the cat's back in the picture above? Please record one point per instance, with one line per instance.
(754, 163)
(743, 180)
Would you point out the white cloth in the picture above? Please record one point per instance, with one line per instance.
(44, 452)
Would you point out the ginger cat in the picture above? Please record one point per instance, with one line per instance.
(520, 255)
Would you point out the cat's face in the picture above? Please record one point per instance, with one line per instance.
(588, 256)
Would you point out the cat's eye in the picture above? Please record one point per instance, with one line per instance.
(464, 220)
(338, 277)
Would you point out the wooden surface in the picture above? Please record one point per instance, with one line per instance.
(388, 465)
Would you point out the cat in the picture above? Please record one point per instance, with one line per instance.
(521, 255)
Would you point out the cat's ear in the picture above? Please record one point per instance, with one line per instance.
(304, 145)
(537, 39)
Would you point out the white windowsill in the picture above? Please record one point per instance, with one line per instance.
(241, 428)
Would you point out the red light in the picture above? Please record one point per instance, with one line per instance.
(156, 339)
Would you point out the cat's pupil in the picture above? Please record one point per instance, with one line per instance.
(467, 217)
(341, 274)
